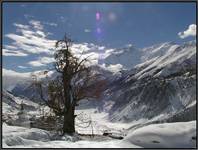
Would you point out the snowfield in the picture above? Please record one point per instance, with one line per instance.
(167, 135)
(136, 134)
(20, 137)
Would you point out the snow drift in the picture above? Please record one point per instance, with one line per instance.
(166, 135)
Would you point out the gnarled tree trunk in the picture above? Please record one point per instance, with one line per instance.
(69, 118)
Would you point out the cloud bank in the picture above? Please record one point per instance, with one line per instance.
(42, 61)
(7, 52)
(29, 39)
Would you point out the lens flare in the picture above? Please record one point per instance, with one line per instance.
(112, 16)
(98, 16)
(98, 30)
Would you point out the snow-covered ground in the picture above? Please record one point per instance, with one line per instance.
(167, 135)
(180, 135)
(100, 122)
(170, 135)
(20, 137)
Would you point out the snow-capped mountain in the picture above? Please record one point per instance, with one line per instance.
(127, 57)
(112, 59)
(27, 89)
(168, 58)
(108, 60)
(161, 81)
(160, 87)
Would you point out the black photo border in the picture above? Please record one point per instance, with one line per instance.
(91, 1)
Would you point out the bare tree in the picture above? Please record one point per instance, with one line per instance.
(75, 83)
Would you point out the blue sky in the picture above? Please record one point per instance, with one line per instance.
(106, 24)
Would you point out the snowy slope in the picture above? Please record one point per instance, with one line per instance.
(19, 137)
(166, 135)
(167, 59)
(15, 102)
(12, 113)
(162, 86)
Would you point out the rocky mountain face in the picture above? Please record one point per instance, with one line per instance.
(26, 90)
(162, 87)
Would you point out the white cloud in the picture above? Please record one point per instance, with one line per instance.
(8, 72)
(41, 34)
(31, 38)
(32, 43)
(42, 61)
(37, 24)
(7, 52)
(22, 67)
(191, 31)
(21, 26)
(51, 24)
(36, 63)
(47, 60)
(28, 16)
(11, 78)
(10, 47)
(63, 19)
(87, 30)
(115, 68)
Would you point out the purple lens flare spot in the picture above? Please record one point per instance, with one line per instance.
(98, 30)
(98, 16)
